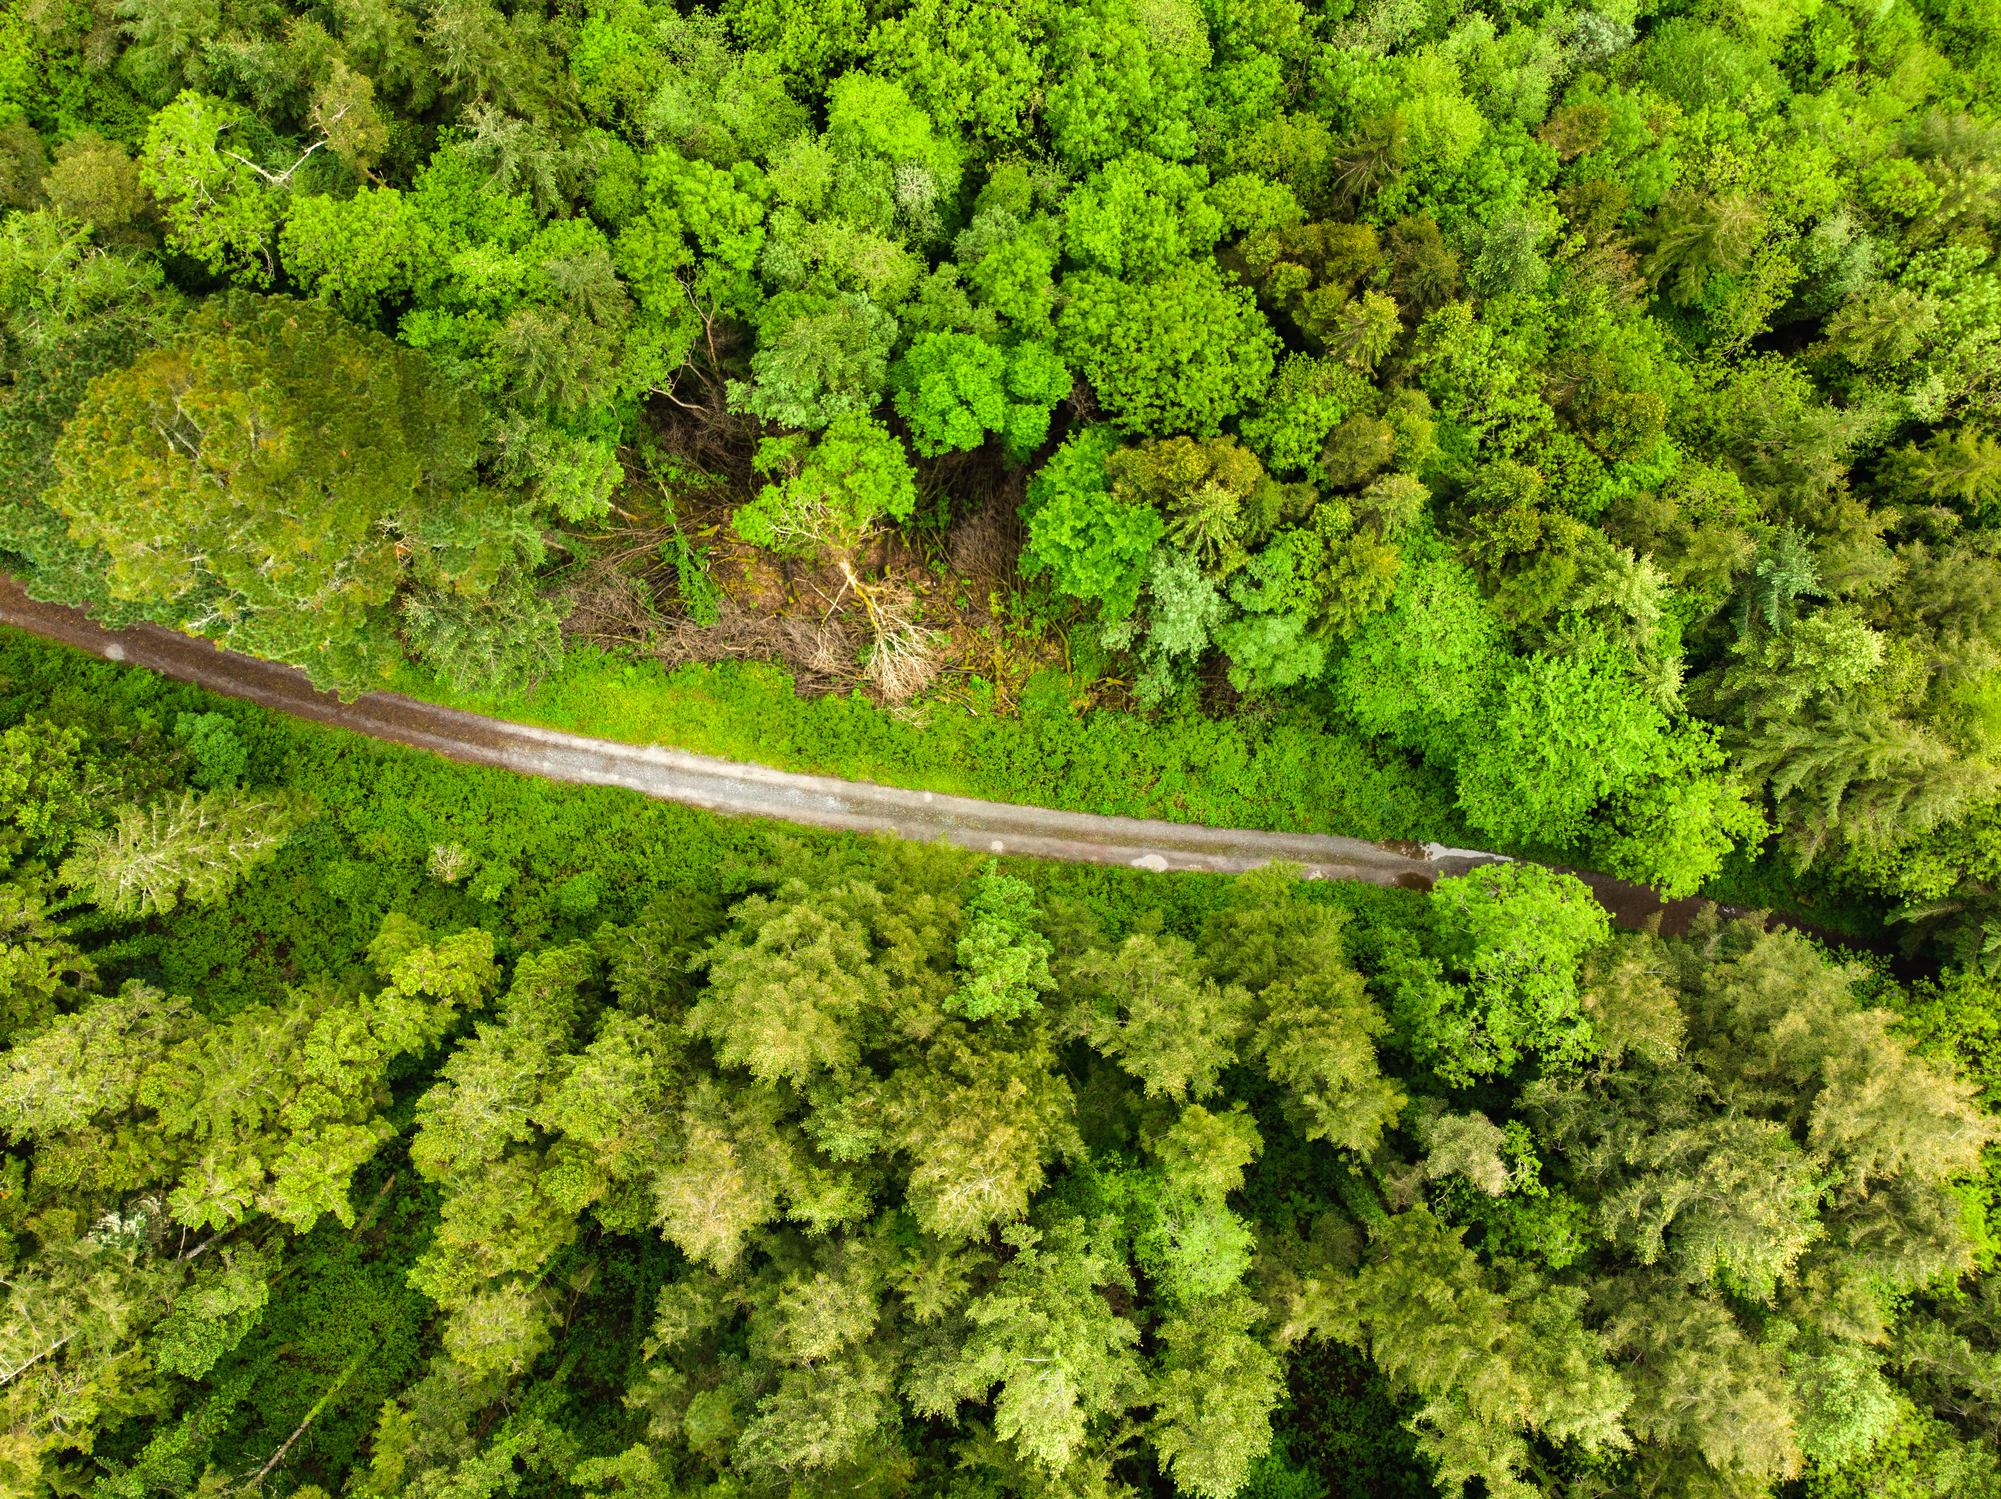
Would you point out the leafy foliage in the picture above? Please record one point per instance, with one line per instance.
(830, 493)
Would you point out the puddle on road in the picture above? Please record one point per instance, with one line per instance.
(1410, 848)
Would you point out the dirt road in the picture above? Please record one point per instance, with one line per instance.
(731, 788)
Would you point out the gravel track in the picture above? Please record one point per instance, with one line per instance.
(732, 788)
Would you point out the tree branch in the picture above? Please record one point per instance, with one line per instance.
(300, 1430)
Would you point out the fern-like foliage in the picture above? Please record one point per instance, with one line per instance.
(1785, 571)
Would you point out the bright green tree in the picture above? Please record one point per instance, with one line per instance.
(954, 389)
(1511, 936)
(1095, 544)
(828, 493)
(1179, 355)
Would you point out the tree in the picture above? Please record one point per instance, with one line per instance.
(1122, 79)
(1005, 958)
(964, 63)
(980, 1123)
(1312, 1026)
(1182, 354)
(1703, 1388)
(196, 848)
(1312, 271)
(1205, 488)
(1885, 328)
(954, 388)
(826, 361)
(1014, 275)
(1791, 1119)
(1213, 1397)
(1307, 398)
(359, 253)
(506, 1208)
(1962, 465)
(1424, 269)
(1204, 1154)
(1138, 218)
(268, 1112)
(1317, 1042)
(68, 1330)
(872, 115)
(1144, 1006)
(706, 220)
(1696, 238)
(50, 789)
(1095, 544)
(1184, 609)
(73, 310)
(295, 459)
(1270, 651)
(1566, 732)
(1488, 1367)
(790, 993)
(1364, 330)
(492, 645)
(828, 494)
(94, 182)
(1853, 772)
(715, 101)
(1673, 828)
(1046, 1349)
(221, 206)
(1419, 672)
(1512, 935)
(41, 969)
(220, 757)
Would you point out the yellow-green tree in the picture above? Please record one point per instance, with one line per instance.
(275, 472)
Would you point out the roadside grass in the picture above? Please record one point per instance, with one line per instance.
(1282, 770)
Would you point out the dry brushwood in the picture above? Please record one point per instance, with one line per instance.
(904, 661)
(904, 657)
(821, 655)
(609, 607)
(695, 427)
(450, 862)
(613, 608)
(987, 542)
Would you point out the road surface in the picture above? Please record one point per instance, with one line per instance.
(736, 789)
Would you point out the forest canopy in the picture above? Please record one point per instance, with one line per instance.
(381, 1127)
(1564, 426)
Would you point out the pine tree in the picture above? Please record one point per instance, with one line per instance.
(270, 1111)
(1490, 1367)
(196, 847)
(1962, 465)
(1146, 1006)
(978, 1124)
(1046, 1348)
(1698, 237)
(1213, 1396)
(1853, 772)
(1706, 1395)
